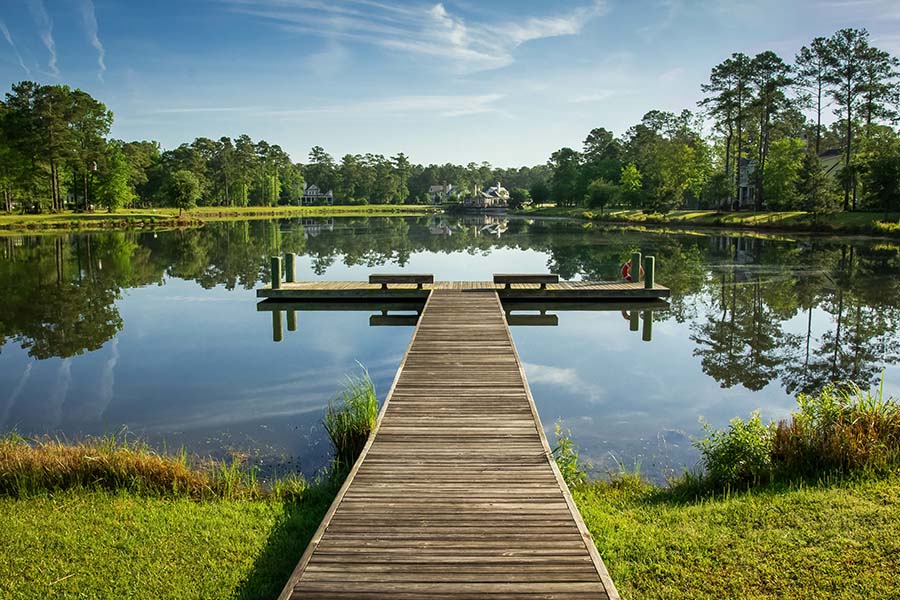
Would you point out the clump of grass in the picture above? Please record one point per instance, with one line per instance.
(738, 456)
(350, 418)
(565, 453)
(839, 429)
(30, 466)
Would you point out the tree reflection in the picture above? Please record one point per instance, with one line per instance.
(759, 310)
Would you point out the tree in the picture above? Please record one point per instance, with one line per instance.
(518, 198)
(730, 86)
(564, 182)
(882, 176)
(540, 192)
(811, 67)
(815, 187)
(185, 190)
(113, 190)
(770, 77)
(781, 176)
(632, 185)
(848, 51)
(602, 193)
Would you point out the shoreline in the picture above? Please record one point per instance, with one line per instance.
(168, 218)
(838, 224)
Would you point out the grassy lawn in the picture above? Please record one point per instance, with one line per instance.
(99, 544)
(850, 222)
(839, 540)
(169, 217)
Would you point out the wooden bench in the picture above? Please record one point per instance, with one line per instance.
(542, 279)
(384, 280)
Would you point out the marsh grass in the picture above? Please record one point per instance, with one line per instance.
(841, 429)
(34, 466)
(350, 418)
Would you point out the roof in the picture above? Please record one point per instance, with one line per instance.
(831, 153)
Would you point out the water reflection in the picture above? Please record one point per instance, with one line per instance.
(154, 331)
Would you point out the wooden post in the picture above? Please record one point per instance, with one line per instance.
(636, 267)
(277, 334)
(292, 320)
(649, 272)
(647, 332)
(290, 267)
(276, 272)
(634, 320)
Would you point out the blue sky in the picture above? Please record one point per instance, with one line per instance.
(504, 81)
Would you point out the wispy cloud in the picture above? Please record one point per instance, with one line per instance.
(89, 16)
(441, 106)
(423, 31)
(567, 378)
(669, 9)
(45, 30)
(15, 50)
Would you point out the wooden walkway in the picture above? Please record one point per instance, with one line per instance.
(456, 495)
(564, 290)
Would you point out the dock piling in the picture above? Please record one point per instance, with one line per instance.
(647, 331)
(277, 333)
(649, 272)
(290, 267)
(636, 267)
(276, 272)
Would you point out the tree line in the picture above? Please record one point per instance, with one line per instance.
(764, 152)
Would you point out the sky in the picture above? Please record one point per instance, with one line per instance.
(505, 81)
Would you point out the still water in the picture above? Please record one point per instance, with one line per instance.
(158, 334)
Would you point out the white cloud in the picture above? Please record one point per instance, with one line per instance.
(433, 32)
(567, 378)
(45, 27)
(12, 44)
(89, 16)
(441, 106)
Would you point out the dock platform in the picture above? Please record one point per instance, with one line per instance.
(564, 291)
(456, 494)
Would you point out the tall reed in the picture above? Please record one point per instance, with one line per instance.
(350, 418)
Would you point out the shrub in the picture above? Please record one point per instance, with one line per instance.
(565, 453)
(350, 418)
(839, 429)
(738, 456)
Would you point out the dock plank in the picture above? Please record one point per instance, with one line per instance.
(456, 494)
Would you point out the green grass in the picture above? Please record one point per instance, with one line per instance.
(865, 223)
(101, 544)
(350, 418)
(169, 217)
(827, 540)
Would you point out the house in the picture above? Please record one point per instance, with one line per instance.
(494, 197)
(437, 194)
(746, 183)
(312, 195)
(832, 161)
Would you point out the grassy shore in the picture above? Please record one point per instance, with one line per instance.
(853, 223)
(838, 539)
(169, 217)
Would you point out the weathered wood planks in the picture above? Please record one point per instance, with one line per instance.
(362, 291)
(456, 494)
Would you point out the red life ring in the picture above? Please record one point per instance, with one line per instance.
(626, 270)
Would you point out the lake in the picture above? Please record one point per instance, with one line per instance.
(158, 334)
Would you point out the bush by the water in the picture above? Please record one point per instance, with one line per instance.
(350, 418)
(116, 463)
(841, 429)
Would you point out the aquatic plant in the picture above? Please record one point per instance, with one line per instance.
(565, 453)
(29, 466)
(350, 418)
(739, 455)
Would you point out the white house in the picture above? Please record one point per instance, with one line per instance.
(437, 194)
(312, 195)
(494, 197)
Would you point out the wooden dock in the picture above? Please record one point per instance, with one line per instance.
(362, 291)
(456, 494)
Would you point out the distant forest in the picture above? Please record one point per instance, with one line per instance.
(757, 140)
